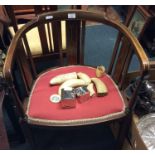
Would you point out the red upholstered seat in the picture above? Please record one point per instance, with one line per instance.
(95, 110)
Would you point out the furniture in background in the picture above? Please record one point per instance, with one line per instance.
(4, 21)
(46, 32)
(5, 36)
(140, 20)
(5, 102)
(3, 134)
(141, 23)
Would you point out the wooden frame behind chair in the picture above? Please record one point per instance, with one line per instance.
(75, 55)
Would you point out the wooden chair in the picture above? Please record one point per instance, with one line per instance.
(20, 67)
(42, 33)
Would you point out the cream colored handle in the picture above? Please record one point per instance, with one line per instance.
(62, 78)
(100, 87)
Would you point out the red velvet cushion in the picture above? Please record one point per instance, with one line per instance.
(40, 106)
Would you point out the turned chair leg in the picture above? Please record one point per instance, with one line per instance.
(28, 133)
(123, 131)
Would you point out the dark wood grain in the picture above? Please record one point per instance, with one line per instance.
(73, 35)
(30, 56)
(120, 62)
(4, 144)
(11, 15)
(56, 33)
(43, 39)
(114, 53)
(125, 68)
(25, 67)
(82, 42)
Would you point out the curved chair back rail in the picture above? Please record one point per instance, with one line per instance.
(80, 15)
(14, 52)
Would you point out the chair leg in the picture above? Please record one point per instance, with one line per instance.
(13, 119)
(123, 130)
(27, 132)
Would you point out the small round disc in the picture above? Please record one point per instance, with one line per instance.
(55, 98)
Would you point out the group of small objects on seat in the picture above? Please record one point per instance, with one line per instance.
(77, 87)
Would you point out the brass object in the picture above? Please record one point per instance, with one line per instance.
(100, 71)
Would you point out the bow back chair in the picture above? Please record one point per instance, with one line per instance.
(32, 99)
